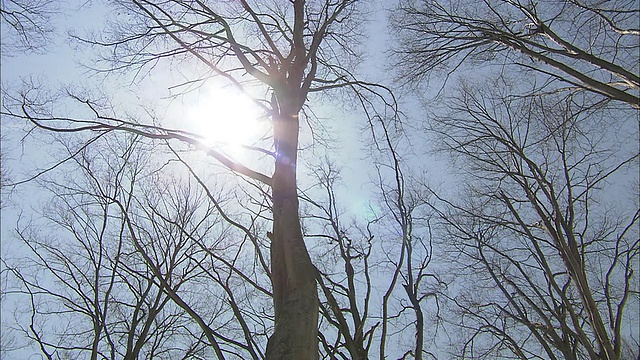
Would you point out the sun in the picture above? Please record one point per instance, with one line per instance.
(225, 117)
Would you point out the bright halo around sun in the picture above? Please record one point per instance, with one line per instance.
(225, 117)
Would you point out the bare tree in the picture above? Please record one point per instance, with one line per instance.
(291, 51)
(167, 249)
(547, 245)
(374, 271)
(89, 289)
(406, 298)
(576, 44)
(344, 275)
(549, 260)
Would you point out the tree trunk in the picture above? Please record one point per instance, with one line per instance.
(295, 295)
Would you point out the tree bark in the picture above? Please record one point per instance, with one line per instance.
(295, 294)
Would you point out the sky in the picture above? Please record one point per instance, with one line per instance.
(63, 65)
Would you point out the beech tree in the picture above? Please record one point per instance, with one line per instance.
(290, 51)
(157, 268)
(549, 261)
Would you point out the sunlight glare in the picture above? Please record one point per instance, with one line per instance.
(225, 117)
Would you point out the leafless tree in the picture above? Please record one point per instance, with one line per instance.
(547, 235)
(344, 273)
(90, 291)
(549, 259)
(413, 285)
(177, 256)
(589, 45)
(374, 271)
(290, 51)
